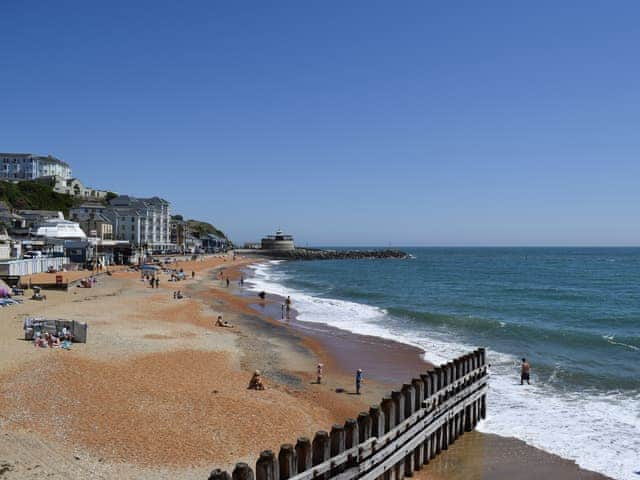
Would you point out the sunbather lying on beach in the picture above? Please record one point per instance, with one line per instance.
(220, 323)
(256, 381)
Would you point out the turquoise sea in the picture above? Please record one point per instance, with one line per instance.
(574, 313)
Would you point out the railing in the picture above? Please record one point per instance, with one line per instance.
(28, 266)
(390, 441)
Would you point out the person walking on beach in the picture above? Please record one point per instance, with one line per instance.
(227, 282)
(358, 380)
(193, 274)
(524, 373)
(319, 373)
(242, 280)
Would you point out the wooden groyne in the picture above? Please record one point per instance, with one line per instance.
(390, 441)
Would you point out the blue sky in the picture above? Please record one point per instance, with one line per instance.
(345, 123)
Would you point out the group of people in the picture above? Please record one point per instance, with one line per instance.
(154, 282)
(63, 339)
(177, 295)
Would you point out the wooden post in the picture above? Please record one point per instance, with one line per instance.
(418, 453)
(450, 377)
(418, 387)
(364, 426)
(242, 472)
(429, 379)
(267, 466)
(389, 411)
(337, 446)
(456, 373)
(444, 437)
(438, 379)
(287, 463)
(377, 421)
(351, 438)
(398, 402)
(321, 448)
(303, 454)
(351, 435)
(218, 474)
(409, 394)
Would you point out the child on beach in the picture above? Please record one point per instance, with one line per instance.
(256, 381)
(358, 380)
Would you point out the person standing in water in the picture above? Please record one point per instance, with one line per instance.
(288, 304)
(358, 380)
(525, 371)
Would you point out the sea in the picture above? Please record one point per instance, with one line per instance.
(574, 313)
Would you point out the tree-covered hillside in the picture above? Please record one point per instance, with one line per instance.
(35, 196)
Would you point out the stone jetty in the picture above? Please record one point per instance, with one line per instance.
(326, 254)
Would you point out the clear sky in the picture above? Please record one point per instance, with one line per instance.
(344, 123)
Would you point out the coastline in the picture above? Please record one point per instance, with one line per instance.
(159, 391)
(476, 454)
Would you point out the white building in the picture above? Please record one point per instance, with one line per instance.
(26, 166)
(145, 222)
(61, 229)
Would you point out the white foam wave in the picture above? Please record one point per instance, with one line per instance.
(611, 339)
(601, 432)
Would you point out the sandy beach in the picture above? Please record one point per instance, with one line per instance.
(158, 391)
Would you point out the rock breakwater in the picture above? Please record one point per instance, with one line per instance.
(326, 254)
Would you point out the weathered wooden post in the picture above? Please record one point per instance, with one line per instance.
(337, 442)
(418, 387)
(364, 426)
(398, 402)
(444, 430)
(450, 423)
(287, 462)
(321, 451)
(483, 399)
(218, 474)
(267, 466)
(428, 379)
(351, 439)
(377, 421)
(409, 394)
(388, 407)
(351, 435)
(242, 471)
(303, 454)
(388, 410)
(437, 379)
